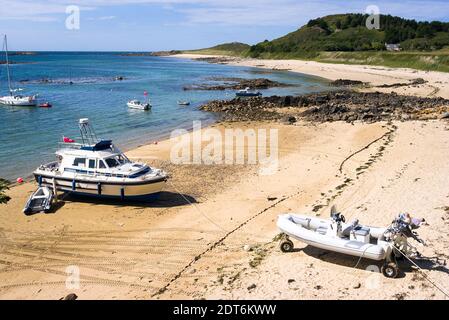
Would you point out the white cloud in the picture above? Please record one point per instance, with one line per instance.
(107, 18)
(39, 11)
(231, 12)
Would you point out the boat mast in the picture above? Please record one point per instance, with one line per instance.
(87, 132)
(7, 65)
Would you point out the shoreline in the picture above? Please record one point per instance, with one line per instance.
(437, 82)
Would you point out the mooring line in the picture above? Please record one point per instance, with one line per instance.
(218, 242)
(393, 129)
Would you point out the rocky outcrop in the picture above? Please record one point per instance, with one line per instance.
(151, 54)
(217, 60)
(346, 106)
(413, 83)
(237, 84)
(347, 83)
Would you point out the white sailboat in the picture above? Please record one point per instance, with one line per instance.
(14, 99)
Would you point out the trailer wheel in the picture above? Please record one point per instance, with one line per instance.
(390, 270)
(286, 246)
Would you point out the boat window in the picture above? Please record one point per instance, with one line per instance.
(101, 164)
(92, 164)
(122, 159)
(80, 162)
(112, 162)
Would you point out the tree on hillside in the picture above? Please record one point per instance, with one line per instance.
(3, 187)
(320, 23)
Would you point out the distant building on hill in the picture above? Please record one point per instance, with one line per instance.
(392, 47)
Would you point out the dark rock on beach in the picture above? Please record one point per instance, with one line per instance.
(346, 106)
(217, 60)
(70, 296)
(413, 82)
(237, 84)
(347, 82)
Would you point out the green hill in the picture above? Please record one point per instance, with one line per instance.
(344, 38)
(348, 32)
(232, 48)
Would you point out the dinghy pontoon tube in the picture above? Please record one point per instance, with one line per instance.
(350, 238)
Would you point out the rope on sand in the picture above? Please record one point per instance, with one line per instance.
(366, 147)
(440, 288)
(219, 241)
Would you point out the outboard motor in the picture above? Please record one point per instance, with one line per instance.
(400, 230)
(337, 218)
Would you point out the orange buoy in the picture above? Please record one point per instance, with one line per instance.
(19, 180)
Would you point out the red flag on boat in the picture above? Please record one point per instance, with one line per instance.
(67, 140)
(145, 93)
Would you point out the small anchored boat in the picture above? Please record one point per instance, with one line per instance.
(376, 243)
(247, 92)
(183, 103)
(14, 99)
(45, 105)
(136, 104)
(98, 168)
(40, 200)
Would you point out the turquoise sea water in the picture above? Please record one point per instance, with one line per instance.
(29, 135)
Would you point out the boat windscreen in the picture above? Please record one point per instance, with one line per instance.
(112, 162)
(116, 161)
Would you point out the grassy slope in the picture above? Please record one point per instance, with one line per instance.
(309, 43)
(227, 49)
(429, 61)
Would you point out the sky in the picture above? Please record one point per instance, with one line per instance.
(150, 25)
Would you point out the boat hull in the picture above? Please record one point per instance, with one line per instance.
(18, 103)
(293, 226)
(139, 107)
(139, 190)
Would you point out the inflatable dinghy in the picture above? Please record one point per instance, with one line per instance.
(40, 200)
(353, 239)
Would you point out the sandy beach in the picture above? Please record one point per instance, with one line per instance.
(212, 232)
(437, 82)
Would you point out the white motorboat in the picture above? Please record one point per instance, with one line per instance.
(97, 168)
(376, 243)
(40, 200)
(247, 92)
(183, 103)
(14, 99)
(136, 104)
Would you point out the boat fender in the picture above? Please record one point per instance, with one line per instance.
(73, 185)
(39, 181)
(99, 188)
(122, 193)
